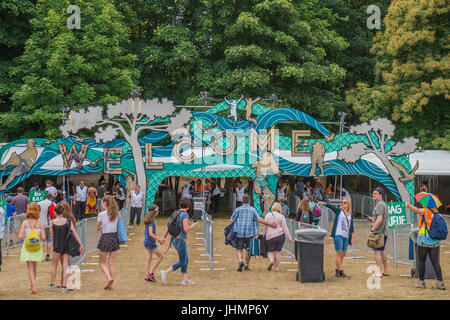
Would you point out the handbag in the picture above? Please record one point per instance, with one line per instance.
(253, 249)
(121, 231)
(376, 241)
(73, 247)
(262, 245)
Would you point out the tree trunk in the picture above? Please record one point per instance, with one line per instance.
(395, 174)
(138, 163)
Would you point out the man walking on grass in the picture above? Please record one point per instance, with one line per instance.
(245, 220)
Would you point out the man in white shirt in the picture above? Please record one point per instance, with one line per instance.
(45, 216)
(79, 200)
(50, 188)
(137, 202)
(281, 191)
(240, 192)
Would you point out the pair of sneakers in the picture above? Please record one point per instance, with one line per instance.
(242, 265)
(52, 287)
(150, 277)
(183, 282)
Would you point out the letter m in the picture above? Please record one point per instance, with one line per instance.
(268, 141)
(73, 155)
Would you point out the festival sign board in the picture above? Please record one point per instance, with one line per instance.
(397, 214)
(37, 195)
(206, 144)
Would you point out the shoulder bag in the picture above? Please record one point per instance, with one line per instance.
(73, 247)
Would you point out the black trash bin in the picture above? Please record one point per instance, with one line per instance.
(429, 270)
(310, 254)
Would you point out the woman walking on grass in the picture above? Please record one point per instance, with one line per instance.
(150, 243)
(59, 228)
(275, 237)
(342, 233)
(32, 223)
(109, 242)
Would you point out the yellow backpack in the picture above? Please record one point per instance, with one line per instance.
(33, 241)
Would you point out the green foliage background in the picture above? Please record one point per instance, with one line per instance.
(317, 56)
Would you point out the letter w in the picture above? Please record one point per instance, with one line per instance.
(73, 155)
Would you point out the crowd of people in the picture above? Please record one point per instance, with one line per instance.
(52, 222)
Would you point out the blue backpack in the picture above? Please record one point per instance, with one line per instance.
(438, 228)
(121, 231)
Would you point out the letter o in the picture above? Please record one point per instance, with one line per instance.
(223, 152)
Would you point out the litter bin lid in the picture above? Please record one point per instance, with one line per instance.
(311, 235)
(413, 233)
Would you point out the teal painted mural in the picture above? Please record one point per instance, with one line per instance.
(147, 141)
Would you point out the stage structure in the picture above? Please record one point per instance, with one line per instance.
(212, 143)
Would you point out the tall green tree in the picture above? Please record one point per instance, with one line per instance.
(276, 46)
(412, 73)
(229, 48)
(351, 23)
(15, 29)
(69, 67)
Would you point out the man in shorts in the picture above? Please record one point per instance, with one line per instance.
(245, 220)
(380, 219)
(46, 215)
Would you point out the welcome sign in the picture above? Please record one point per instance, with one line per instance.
(145, 141)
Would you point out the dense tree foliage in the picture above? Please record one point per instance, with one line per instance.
(68, 67)
(315, 55)
(412, 72)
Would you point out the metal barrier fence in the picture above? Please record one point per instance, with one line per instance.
(208, 238)
(86, 229)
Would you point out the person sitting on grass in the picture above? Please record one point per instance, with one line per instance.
(150, 243)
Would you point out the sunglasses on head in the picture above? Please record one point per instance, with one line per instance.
(345, 202)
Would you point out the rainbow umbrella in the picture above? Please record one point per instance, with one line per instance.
(428, 200)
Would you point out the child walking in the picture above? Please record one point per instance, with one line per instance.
(150, 243)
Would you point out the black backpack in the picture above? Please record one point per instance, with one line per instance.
(173, 225)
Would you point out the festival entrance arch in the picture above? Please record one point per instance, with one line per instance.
(206, 144)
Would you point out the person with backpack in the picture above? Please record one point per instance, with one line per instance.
(47, 213)
(59, 229)
(109, 241)
(304, 213)
(150, 243)
(33, 233)
(178, 227)
(342, 232)
(275, 237)
(284, 207)
(315, 209)
(427, 246)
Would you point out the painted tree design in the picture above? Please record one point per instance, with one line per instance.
(130, 118)
(378, 133)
